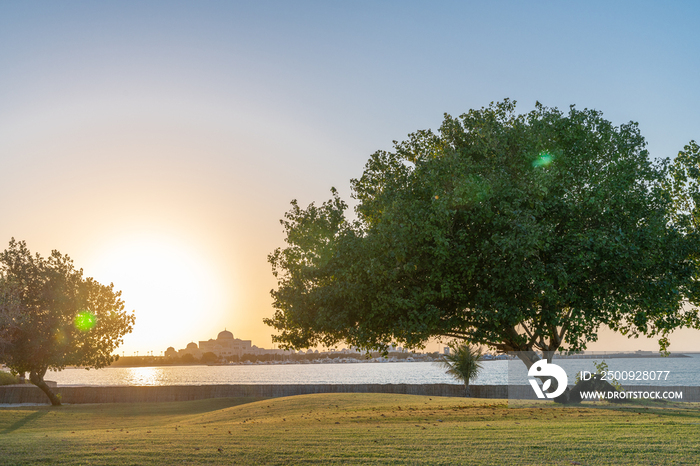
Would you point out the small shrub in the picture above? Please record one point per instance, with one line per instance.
(463, 362)
(601, 369)
(8, 379)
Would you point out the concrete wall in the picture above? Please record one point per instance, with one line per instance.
(127, 394)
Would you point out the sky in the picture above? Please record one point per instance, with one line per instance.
(159, 143)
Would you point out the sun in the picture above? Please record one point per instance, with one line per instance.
(172, 288)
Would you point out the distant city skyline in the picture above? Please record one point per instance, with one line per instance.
(159, 143)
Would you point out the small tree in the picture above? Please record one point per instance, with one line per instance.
(601, 369)
(65, 319)
(188, 358)
(463, 363)
(209, 357)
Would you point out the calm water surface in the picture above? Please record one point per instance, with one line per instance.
(682, 371)
(406, 372)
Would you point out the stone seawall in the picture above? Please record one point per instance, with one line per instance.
(12, 394)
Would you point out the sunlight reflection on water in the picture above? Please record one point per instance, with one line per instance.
(495, 372)
(143, 376)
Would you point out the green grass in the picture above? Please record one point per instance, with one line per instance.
(351, 429)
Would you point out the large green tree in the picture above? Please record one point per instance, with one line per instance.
(59, 317)
(523, 232)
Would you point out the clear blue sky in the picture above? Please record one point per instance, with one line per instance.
(158, 143)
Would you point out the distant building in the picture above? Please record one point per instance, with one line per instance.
(191, 349)
(225, 345)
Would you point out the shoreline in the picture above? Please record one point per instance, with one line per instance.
(602, 355)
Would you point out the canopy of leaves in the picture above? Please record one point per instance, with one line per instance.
(520, 232)
(51, 300)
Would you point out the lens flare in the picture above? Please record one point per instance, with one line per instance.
(543, 159)
(84, 321)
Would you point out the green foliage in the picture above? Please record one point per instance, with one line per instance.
(463, 362)
(600, 369)
(11, 311)
(65, 319)
(519, 232)
(8, 379)
(188, 358)
(209, 357)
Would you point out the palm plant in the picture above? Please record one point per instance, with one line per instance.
(463, 363)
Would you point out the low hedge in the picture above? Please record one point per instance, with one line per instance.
(8, 379)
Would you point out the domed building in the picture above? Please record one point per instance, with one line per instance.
(225, 335)
(190, 349)
(226, 345)
(170, 352)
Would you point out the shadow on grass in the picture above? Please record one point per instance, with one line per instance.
(32, 417)
(156, 409)
(662, 408)
(671, 409)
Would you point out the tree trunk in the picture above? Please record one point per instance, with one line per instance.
(37, 379)
(467, 393)
(528, 357)
(548, 355)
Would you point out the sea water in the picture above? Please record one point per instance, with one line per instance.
(681, 372)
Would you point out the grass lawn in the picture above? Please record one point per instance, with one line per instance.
(351, 429)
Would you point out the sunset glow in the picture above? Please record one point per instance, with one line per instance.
(171, 286)
(159, 143)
